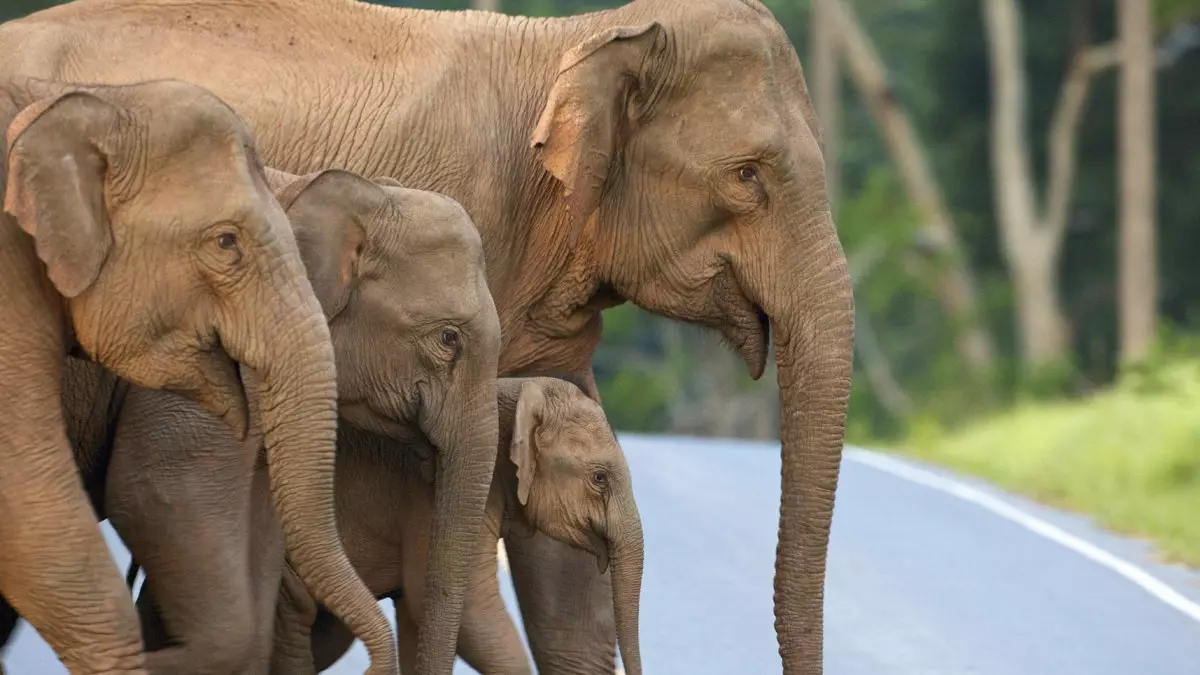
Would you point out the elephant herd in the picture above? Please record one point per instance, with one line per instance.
(302, 296)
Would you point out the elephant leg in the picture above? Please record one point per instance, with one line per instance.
(406, 638)
(566, 606)
(154, 633)
(267, 556)
(330, 640)
(56, 570)
(267, 567)
(487, 638)
(296, 630)
(180, 495)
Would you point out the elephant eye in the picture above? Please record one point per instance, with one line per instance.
(600, 478)
(227, 241)
(450, 337)
(747, 173)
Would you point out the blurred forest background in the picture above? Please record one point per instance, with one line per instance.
(1019, 229)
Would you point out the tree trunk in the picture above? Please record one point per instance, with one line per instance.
(956, 285)
(826, 92)
(1032, 235)
(1041, 324)
(1136, 138)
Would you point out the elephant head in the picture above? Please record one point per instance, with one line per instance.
(687, 146)
(400, 274)
(151, 214)
(572, 483)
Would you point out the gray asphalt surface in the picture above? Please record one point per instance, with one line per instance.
(920, 582)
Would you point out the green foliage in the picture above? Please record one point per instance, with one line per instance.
(1170, 13)
(632, 371)
(1130, 455)
(635, 400)
(13, 9)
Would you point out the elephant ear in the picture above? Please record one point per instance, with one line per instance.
(531, 403)
(387, 181)
(58, 157)
(329, 210)
(580, 126)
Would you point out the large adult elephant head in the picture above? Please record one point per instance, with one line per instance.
(400, 274)
(153, 219)
(684, 135)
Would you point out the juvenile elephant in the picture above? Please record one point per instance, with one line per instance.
(559, 470)
(139, 232)
(400, 276)
(663, 152)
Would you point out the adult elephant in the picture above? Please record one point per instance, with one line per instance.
(139, 232)
(664, 152)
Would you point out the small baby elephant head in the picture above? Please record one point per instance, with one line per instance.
(574, 485)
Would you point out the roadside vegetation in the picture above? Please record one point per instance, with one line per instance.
(1128, 455)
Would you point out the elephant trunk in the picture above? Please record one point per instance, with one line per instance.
(465, 433)
(813, 328)
(293, 363)
(627, 562)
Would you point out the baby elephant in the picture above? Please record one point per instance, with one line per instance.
(559, 470)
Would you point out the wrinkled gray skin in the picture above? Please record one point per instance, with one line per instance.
(559, 470)
(400, 276)
(665, 153)
(139, 231)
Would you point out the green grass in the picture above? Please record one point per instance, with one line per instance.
(1129, 456)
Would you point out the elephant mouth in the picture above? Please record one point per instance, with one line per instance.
(746, 326)
(750, 335)
(754, 350)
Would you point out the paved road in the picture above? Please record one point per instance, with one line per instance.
(930, 574)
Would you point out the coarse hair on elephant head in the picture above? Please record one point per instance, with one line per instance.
(571, 481)
(149, 209)
(687, 146)
(400, 274)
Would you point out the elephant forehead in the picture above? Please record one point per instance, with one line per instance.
(582, 430)
(423, 291)
(179, 117)
(207, 193)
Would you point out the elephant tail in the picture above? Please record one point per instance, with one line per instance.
(131, 575)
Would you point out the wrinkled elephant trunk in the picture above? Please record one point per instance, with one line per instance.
(297, 400)
(465, 433)
(813, 328)
(627, 557)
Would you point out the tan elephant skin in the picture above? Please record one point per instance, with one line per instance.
(400, 276)
(559, 470)
(138, 229)
(606, 157)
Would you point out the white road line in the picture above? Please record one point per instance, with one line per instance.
(502, 554)
(1133, 573)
